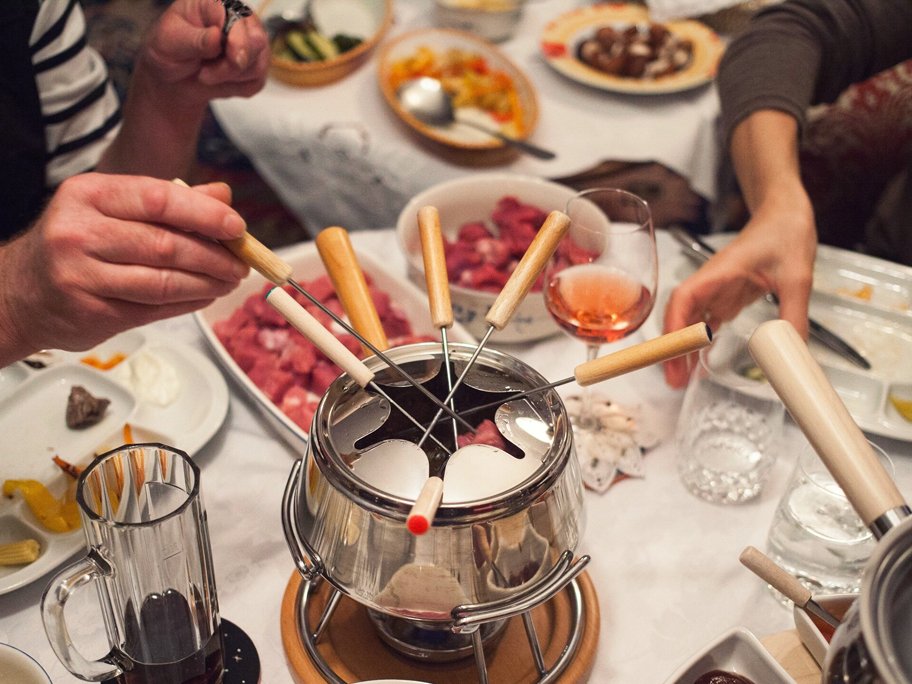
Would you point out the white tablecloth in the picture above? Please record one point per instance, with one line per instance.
(664, 564)
(337, 155)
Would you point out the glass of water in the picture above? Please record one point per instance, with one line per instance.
(730, 423)
(816, 535)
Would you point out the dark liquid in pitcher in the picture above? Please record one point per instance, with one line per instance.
(157, 641)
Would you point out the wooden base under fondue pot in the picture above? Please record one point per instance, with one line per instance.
(351, 646)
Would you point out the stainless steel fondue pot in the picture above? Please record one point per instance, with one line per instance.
(354, 536)
(874, 642)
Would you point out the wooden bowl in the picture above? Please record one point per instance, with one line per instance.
(369, 19)
(459, 143)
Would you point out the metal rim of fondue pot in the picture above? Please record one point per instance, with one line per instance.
(336, 469)
(477, 553)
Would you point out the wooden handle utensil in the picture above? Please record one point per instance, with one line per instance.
(811, 400)
(435, 270)
(648, 353)
(343, 268)
(766, 569)
(528, 269)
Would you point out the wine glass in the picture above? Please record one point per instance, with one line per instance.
(600, 285)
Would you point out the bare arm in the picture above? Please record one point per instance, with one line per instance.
(110, 253)
(180, 69)
(773, 253)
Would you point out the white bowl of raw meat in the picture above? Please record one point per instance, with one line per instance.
(488, 221)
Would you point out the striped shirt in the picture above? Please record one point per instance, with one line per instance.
(80, 108)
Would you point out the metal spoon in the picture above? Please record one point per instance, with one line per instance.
(426, 100)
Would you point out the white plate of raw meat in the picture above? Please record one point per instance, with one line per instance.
(275, 365)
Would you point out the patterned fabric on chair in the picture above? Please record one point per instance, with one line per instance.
(851, 152)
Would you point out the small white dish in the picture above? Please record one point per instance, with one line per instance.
(737, 651)
(18, 667)
(815, 635)
(34, 430)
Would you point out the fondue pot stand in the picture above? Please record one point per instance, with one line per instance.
(446, 594)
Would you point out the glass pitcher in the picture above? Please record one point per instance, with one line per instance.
(150, 559)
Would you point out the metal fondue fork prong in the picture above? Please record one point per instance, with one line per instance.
(520, 282)
(658, 349)
(302, 321)
(262, 259)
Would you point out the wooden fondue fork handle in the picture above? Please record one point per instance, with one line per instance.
(668, 346)
(348, 279)
(769, 571)
(302, 321)
(814, 404)
(435, 271)
(528, 269)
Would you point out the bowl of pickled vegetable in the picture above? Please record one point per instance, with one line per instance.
(337, 39)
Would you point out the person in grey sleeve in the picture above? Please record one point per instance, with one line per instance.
(791, 55)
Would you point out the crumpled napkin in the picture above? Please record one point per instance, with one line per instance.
(614, 452)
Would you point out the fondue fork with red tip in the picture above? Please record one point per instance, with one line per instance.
(512, 294)
(662, 348)
(421, 516)
(348, 279)
(302, 321)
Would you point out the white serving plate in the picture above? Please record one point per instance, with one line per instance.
(880, 328)
(737, 651)
(307, 265)
(32, 422)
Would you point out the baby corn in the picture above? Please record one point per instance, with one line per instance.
(20, 552)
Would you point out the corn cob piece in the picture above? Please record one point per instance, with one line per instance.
(19, 553)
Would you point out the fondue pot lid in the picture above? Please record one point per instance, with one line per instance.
(886, 604)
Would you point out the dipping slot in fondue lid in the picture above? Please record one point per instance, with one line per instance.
(506, 516)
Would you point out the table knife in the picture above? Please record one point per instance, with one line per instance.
(701, 251)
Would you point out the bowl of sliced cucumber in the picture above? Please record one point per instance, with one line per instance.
(331, 42)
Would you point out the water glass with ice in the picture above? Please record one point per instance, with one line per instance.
(730, 424)
(816, 535)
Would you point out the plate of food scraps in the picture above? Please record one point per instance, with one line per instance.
(618, 48)
(60, 409)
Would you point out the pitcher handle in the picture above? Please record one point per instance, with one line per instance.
(90, 569)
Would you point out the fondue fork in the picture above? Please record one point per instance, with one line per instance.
(268, 264)
(768, 570)
(302, 321)
(348, 279)
(435, 276)
(422, 513)
(519, 283)
(662, 348)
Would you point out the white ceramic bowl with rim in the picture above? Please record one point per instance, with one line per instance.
(470, 199)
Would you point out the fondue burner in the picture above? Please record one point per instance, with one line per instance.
(447, 594)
